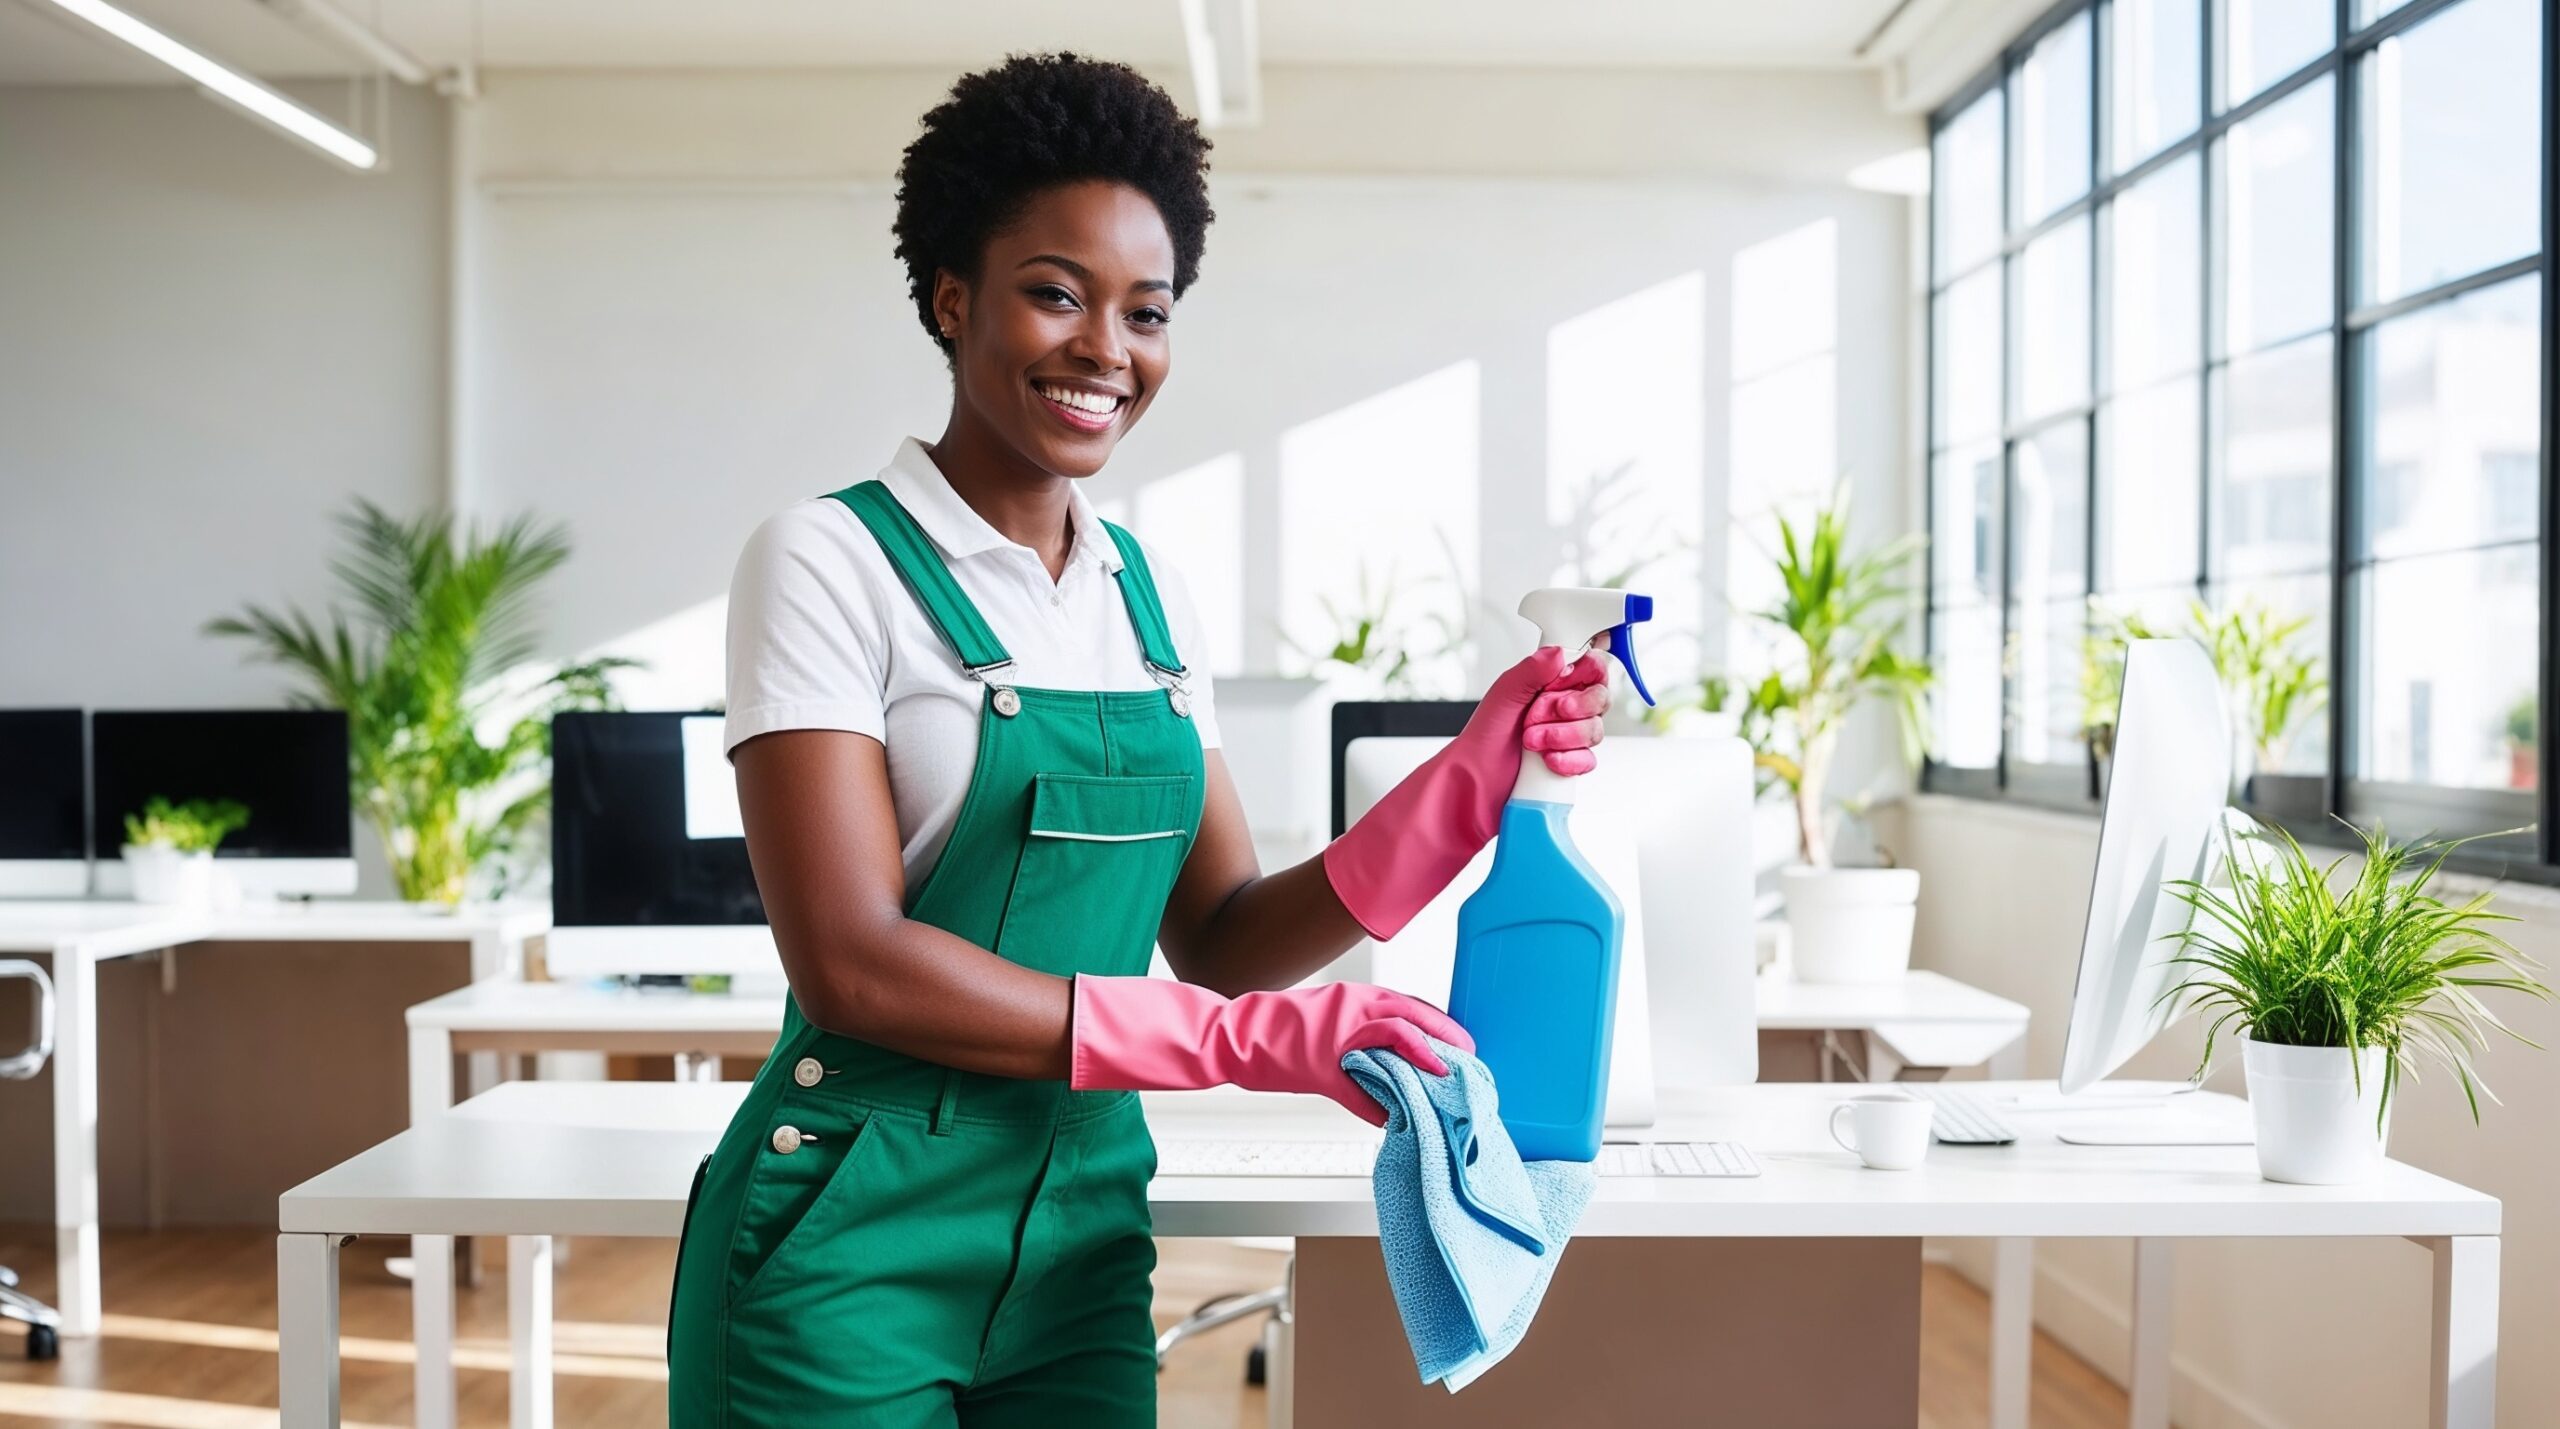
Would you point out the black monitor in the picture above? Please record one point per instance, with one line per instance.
(1384, 719)
(43, 785)
(623, 853)
(287, 767)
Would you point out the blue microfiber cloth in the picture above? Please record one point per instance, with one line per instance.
(1471, 1233)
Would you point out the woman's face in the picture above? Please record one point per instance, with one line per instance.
(1062, 339)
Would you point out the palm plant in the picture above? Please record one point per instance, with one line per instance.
(2274, 684)
(1840, 612)
(440, 614)
(2288, 958)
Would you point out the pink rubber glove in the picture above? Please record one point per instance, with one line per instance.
(1156, 1035)
(1407, 848)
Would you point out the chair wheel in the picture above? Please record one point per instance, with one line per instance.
(1256, 1371)
(43, 1343)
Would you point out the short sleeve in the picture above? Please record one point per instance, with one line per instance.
(807, 646)
(1189, 641)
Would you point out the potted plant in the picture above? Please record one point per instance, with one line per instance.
(1840, 614)
(2273, 685)
(2339, 991)
(169, 847)
(2102, 680)
(440, 616)
(2524, 740)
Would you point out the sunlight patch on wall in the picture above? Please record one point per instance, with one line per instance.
(1785, 422)
(1194, 520)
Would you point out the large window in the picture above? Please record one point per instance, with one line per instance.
(2241, 315)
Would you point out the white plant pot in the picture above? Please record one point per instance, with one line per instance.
(2319, 1115)
(168, 875)
(1850, 925)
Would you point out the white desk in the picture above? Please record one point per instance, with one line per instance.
(534, 1160)
(1924, 1019)
(76, 936)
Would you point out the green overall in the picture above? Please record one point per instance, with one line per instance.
(882, 1241)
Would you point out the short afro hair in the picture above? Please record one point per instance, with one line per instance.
(1032, 123)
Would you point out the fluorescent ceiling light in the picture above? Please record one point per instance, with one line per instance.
(228, 84)
(1903, 173)
(1222, 42)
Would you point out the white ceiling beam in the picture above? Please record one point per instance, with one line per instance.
(325, 21)
(1224, 47)
(229, 85)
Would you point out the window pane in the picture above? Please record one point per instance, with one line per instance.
(2265, 40)
(2155, 287)
(2282, 725)
(1964, 526)
(1965, 187)
(2052, 122)
(1964, 705)
(2044, 696)
(2052, 322)
(2158, 74)
(2049, 517)
(2271, 462)
(2452, 164)
(2450, 457)
(2447, 695)
(2368, 11)
(2149, 489)
(2277, 180)
(1967, 380)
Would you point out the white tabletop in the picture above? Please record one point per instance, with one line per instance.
(1787, 1005)
(616, 1158)
(506, 1004)
(109, 928)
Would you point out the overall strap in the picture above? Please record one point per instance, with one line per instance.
(1146, 612)
(911, 551)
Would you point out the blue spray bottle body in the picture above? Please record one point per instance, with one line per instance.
(1536, 980)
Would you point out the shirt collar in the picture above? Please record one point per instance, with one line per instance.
(960, 531)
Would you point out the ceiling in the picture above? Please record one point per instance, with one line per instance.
(41, 45)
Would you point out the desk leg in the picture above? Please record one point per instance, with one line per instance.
(2153, 1284)
(307, 1331)
(529, 1331)
(2462, 1391)
(2013, 1329)
(431, 1256)
(77, 1292)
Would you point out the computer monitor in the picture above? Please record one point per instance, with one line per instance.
(287, 767)
(1667, 823)
(2167, 803)
(649, 871)
(43, 804)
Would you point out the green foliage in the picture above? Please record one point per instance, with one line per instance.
(439, 615)
(1843, 614)
(2286, 956)
(1710, 693)
(196, 826)
(2102, 671)
(1371, 635)
(2524, 722)
(2273, 684)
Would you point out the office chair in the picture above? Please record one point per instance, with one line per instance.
(44, 1325)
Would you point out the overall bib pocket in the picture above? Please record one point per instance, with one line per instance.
(808, 1153)
(1101, 855)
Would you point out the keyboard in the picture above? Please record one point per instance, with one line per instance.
(1962, 1118)
(1358, 1158)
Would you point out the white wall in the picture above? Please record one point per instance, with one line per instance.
(2327, 1333)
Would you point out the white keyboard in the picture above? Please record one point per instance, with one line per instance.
(1962, 1118)
(1358, 1158)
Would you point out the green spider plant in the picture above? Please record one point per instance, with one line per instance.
(1842, 614)
(2292, 957)
(440, 614)
(196, 826)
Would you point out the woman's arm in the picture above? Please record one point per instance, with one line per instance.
(823, 837)
(1234, 931)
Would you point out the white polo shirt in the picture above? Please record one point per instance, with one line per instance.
(823, 635)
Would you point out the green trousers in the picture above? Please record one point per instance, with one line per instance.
(883, 1242)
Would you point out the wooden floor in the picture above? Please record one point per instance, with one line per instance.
(190, 1341)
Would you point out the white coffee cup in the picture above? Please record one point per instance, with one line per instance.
(1888, 1131)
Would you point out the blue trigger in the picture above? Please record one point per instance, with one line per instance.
(1622, 644)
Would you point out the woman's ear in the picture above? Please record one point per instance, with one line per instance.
(950, 304)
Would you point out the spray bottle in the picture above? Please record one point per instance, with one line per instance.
(1537, 961)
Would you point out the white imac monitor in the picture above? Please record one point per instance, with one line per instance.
(288, 768)
(2166, 805)
(43, 804)
(649, 871)
(1668, 823)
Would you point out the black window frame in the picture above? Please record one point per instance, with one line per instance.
(2308, 805)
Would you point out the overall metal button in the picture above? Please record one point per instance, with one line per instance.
(787, 1139)
(1181, 701)
(1008, 703)
(808, 1073)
